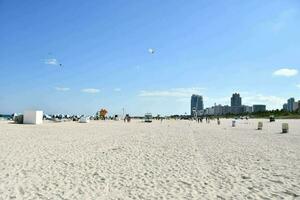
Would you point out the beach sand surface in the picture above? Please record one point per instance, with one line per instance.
(170, 160)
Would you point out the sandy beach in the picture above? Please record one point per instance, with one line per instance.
(169, 160)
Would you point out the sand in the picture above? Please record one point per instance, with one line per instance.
(169, 160)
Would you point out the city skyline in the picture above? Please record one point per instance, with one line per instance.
(148, 56)
(236, 107)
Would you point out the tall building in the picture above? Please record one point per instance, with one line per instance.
(259, 108)
(285, 107)
(236, 100)
(290, 104)
(236, 104)
(296, 106)
(196, 104)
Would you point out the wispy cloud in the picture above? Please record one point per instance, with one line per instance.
(225, 100)
(90, 90)
(51, 61)
(271, 101)
(117, 89)
(62, 89)
(287, 72)
(174, 92)
(298, 85)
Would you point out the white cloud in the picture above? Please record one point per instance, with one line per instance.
(90, 90)
(63, 89)
(287, 72)
(174, 92)
(51, 61)
(117, 89)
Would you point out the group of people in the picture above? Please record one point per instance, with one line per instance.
(127, 118)
(207, 119)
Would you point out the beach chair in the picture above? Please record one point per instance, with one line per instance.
(285, 127)
(260, 126)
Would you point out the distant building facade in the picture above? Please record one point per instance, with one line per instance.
(285, 107)
(296, 106)
(247, 109)
(236, 110)
(259, 108)
(236, 100)
(218, 110)
(236, 104)
(196, 104)
(290, 104)
(226, 110)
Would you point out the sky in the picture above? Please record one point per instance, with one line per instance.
(76, 57)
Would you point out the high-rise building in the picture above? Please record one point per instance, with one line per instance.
(285, 107)
(236, 104)
(196, 104)
(259, 108)
(290, 104)
(296, 106)
(236, 100)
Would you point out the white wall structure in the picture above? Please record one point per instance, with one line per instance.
(33, 117)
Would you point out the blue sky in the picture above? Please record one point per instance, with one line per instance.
(213, 48)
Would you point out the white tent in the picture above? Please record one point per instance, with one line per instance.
(33, 117)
